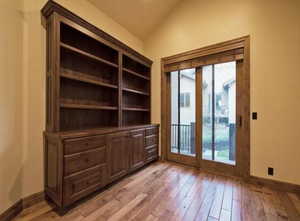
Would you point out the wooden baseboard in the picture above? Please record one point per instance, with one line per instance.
(12, 212)
(274, 184)
(22, 204)
(33, 199)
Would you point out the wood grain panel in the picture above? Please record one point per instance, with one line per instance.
(82, 184)
(81, 161)
(118, 155)
(137, 146)
(72, 146)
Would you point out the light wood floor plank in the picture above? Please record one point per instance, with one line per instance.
(183, 195)
(164, 208)
(225, 215)
(296, 200)
(228, 196)
(130, 206)
(236, 213)
(199, 198)
(204, 210)
(218, 199)
(293, 214)
(157, 197)
(180, 207)
(120, 187)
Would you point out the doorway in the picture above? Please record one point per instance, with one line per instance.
(206, 108)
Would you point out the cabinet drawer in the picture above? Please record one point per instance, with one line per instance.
(151, 140)
(78, 186)
(137, 132)
(81, 144)
(151, 131)
(152, 152)
(80, 161)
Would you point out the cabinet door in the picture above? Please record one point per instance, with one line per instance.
(118, 155)
(137, 141)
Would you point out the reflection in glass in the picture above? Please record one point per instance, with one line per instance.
(187, 111)
(219, 112)
(225, 112)
(174, 111)
(207, 120)
(183, 112)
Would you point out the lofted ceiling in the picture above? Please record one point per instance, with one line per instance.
(139, 17)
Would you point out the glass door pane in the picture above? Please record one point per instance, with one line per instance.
(183, 111)
(219, 112)
(174, 111)
(207, 112)
(225, 111)
(187, 111)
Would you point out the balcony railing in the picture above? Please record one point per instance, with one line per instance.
(184, 135)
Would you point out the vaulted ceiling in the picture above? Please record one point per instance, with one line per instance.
(140, 17)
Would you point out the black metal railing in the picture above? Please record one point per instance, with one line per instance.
(183, 138)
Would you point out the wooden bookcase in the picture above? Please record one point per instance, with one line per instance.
(98, 124)
(99, 86)
(135, 92)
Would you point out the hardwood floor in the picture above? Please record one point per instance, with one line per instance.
(167, 191)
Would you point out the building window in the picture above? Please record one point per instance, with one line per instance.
(185, 100)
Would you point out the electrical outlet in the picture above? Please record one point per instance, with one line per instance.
(270, 171)
(254, 115)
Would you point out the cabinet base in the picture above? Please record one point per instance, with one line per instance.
(61, 211)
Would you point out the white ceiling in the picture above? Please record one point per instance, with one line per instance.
(140, 17)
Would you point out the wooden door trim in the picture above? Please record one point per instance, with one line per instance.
(183, 159)
(239, 43)
(198, 115)
(208, 50)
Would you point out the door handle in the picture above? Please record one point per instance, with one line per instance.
(240, 121)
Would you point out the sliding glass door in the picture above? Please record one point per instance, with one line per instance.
(219, 112)
(203, 100)
(205, 111)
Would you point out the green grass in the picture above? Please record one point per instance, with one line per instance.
(221, 134)
(224, 154)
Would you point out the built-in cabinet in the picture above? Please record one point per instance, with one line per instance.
(118, 155)
(137, 140)
(98, 126)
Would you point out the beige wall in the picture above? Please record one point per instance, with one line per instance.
(10, 103)
(22, 90)
(275, 76)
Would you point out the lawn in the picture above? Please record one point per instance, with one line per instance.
(221, 137)
(223, 154)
